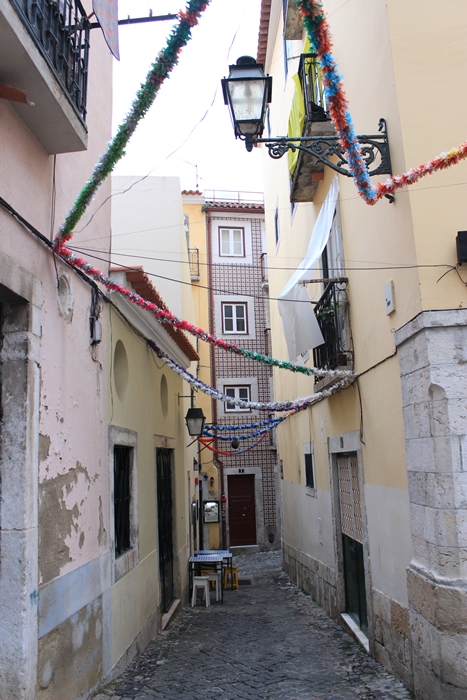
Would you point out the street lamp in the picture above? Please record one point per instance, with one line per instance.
(195, 420)
(247, 92)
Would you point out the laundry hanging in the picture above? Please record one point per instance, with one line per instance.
(299, 323)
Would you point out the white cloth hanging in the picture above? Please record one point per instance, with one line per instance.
(299, 322)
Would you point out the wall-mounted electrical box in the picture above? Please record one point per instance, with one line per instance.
(390, 298)
(461, 245)
(96, 331)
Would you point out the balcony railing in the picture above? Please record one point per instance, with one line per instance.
(332, 312)
(193, 257)
(314, 96)
(60, 29)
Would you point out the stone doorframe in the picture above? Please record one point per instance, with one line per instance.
(21, 296)
(342, 444)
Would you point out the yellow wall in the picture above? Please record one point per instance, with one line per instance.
(407, 81)
(137, 594)
(395, 66)
(201, 302)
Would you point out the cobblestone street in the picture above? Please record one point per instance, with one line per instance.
(268, 640)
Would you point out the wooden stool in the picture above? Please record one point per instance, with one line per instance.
(200, 582)
(215, 578)
(233, 572)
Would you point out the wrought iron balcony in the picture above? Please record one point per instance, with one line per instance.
(332, 312)
(60, 29)
(309, 170)
(193, 257)
(309, 70)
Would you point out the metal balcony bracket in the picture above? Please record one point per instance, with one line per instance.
(374, 148)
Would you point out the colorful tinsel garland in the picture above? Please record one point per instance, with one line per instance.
(158, 72)
(319, 34)
(167, 317)
(270, 406)
(208, 443)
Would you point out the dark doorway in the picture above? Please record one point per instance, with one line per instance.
(352, 538)
(242, 516)
(165, 524)
(354, 574)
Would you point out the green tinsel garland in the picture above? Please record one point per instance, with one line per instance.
(167, 59)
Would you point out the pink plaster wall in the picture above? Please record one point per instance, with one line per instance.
(73, 415)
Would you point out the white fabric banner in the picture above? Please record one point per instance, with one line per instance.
(299, 322)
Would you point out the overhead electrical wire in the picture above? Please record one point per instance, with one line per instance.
(344, 269)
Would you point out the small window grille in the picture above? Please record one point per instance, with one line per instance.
(122, 497)
(349, 496)
(309, 471)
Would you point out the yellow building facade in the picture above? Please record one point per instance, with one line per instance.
(373, 489)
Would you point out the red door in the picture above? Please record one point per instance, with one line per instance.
(242, 517)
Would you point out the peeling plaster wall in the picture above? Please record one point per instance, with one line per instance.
(54, 512)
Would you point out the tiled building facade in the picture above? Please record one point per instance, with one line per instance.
(239, 311)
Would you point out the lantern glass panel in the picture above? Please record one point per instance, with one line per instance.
(247, 99)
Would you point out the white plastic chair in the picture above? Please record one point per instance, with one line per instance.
(200, 582)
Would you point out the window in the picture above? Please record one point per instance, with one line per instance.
(234, 318)
(309, 471)
(122, 497)
(231, 242)
(276, 226)
(237, 392)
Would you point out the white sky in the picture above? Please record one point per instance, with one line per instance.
(223, 163)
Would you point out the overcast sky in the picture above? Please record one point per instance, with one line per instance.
(173, 123)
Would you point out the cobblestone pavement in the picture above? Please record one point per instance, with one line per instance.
(268, 640)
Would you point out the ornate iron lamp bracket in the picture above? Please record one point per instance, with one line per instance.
(323, 148)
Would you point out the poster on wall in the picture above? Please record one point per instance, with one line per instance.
(211, 511)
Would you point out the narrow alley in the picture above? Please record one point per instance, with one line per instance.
(268, 640)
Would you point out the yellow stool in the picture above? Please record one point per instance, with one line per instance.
(231, 576)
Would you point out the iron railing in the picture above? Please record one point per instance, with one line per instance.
(309, 70)
(332, 312)
(193, 257)
(61, 29)
(233, 196)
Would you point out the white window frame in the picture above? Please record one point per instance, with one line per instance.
(231, 230)
(223, 382)
(130, 558)
(236, 395)
(235, 305)
(219, 300)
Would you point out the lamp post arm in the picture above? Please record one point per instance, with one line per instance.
(374, 147)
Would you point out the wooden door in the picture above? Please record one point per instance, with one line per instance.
(242, 515)
(165, 525)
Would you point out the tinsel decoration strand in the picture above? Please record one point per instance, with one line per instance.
(158, 72)
(165, 316)
(270, 406)
(319, 34)
(205, 443)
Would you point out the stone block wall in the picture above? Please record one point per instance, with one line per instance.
(314, 577)
(392, 643)
(432, 352)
